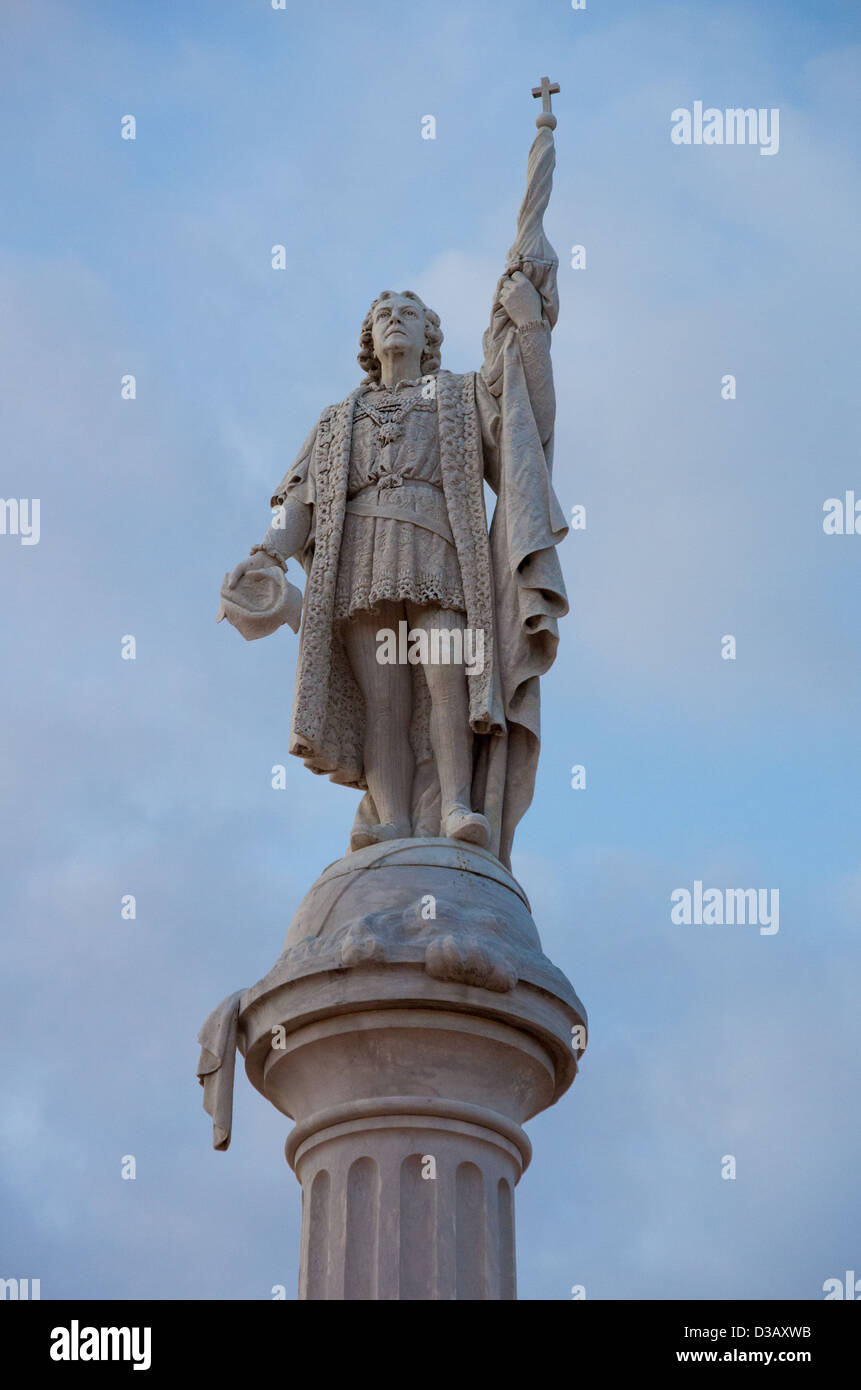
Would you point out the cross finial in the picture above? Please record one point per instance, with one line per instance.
(545, 91)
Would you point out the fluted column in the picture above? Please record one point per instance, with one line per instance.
(409, 1055)
(413, 1207)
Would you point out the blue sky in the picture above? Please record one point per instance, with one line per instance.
(151, 777)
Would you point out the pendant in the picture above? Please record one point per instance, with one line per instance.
(389, 432)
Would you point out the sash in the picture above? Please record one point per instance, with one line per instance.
(415, 501)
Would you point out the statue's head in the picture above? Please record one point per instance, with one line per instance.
(402, 324)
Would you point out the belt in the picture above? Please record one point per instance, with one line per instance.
(416, 501)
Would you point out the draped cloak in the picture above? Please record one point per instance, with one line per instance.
(512, 580)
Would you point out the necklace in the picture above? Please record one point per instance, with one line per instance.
(388, 417)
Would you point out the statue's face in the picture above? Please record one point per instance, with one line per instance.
(398, 327)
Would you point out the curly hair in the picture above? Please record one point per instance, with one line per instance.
(367, 358)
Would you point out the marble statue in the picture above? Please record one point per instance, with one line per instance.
(384, 507)
(412, 1023)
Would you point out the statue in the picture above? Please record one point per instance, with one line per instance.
(424, 635)
(412, 1022)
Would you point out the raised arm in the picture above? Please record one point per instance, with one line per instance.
(517, 311)
(522, 302)
(526, 303)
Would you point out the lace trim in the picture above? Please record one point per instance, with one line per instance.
(427, 589)
(273, 554)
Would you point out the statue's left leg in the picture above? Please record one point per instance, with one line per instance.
(450, 733)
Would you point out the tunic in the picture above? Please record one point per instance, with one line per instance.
(394, 472)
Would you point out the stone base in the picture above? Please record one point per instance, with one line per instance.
(409, 1049)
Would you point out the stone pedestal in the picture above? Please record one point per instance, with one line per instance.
(409, 1029)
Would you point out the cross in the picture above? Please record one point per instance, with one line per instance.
(545, 91)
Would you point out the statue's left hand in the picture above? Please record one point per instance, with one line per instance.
(520, 299)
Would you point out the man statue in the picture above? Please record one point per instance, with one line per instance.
(385, 508)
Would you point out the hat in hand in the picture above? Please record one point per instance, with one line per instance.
(262, 601)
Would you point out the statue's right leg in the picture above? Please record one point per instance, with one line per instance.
(388, 695)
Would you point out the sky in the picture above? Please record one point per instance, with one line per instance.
(301, 127)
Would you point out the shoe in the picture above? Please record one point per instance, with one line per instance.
(462, 824)
(365, 835)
